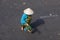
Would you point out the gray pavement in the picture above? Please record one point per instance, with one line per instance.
(45, 28)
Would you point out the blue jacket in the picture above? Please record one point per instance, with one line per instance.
(23, 19)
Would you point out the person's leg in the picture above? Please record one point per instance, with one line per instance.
(22, 27)
(28, 28)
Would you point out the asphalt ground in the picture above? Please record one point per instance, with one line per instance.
(45, 25)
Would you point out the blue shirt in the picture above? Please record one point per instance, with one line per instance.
(23, 19)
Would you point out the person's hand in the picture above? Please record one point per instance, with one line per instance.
(22, 28)
(26, 24)
(29, 31)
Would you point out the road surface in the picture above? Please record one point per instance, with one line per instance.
(46, 28)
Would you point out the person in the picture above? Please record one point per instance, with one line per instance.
(26, 19)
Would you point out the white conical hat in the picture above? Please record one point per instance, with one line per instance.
(28, 11)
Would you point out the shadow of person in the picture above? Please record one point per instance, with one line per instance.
(35, 24)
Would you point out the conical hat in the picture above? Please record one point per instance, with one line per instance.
(28, 11)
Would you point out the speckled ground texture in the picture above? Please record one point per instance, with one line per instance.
(44, 28)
